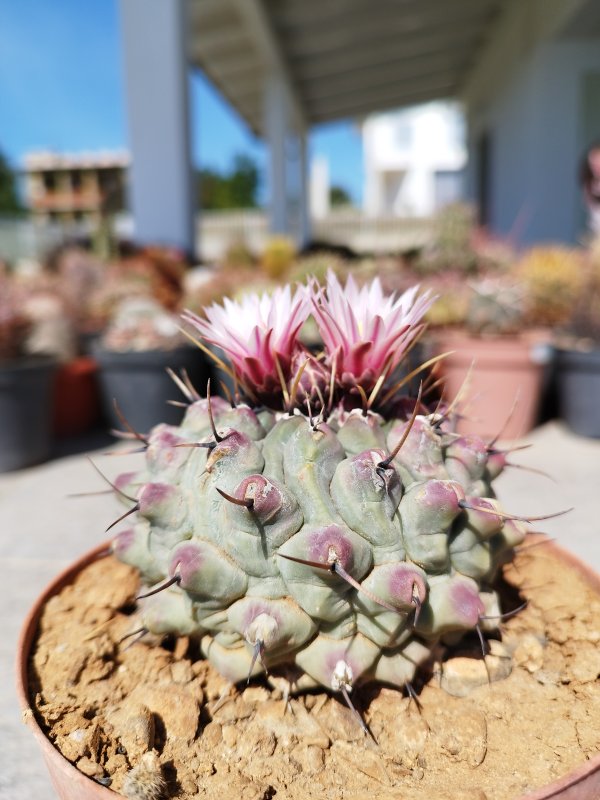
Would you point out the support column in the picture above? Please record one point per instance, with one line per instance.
(161, 186)
(304, 232)
(276, 129)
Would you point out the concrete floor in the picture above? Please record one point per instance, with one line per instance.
(42, 530)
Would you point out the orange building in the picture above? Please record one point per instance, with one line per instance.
(75, 187)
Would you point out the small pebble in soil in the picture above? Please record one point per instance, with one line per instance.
(460, 676)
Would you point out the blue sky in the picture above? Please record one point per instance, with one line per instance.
(61, 89)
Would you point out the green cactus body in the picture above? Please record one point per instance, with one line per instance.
(318, 554)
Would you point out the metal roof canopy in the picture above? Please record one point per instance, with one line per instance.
(339, 58)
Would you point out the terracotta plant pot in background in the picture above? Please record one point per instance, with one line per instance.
(507, 371)
(583, 783)
(76, 397)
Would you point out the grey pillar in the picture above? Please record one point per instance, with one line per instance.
(276, 125)
(156, 90)
(304, 205)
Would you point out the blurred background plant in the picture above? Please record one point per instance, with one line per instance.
(458, 245)
(278, 257)
(35, 319)
(14, 322)
(552, 278)
(496, 306)
(584, 322)
(142, 323)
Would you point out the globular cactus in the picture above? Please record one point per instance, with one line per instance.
(325, 524)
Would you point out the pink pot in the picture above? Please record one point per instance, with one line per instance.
(506, 370)
(582, 783)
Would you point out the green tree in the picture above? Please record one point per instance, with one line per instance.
(243, 182)
(338, 196)
(9, 201)
(236, 189)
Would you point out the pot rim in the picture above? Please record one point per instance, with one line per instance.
(24, 646)
(30, 362)
(51, 753)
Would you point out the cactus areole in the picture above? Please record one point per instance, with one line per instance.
(319, 522)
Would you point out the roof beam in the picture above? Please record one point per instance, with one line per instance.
(417, 82)
(383, 102)
(249, 82)
(257, 23)
(221, 41)
(203, 11)
(395, 72)
(317, 14)
(380, 50)
(385, 90)
(397, 27)
(233, 66)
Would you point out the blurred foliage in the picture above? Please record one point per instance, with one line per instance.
(9, 200)
(552, 279)
(459, 246)
(236, 189)
(338, 196)
(238, 255)
(142, 323)
(278, 257)
(496, 306)
(34, 317)
(584, 322)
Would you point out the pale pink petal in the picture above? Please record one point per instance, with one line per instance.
(366, 328)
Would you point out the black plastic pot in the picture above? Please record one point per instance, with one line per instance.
(578, 378)
(139, 383)
(26, 411)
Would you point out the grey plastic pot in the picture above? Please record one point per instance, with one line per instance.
(26, 411)
(578, 379)
(141, 386)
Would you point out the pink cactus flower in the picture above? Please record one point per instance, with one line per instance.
(366, 332)
(257, 333)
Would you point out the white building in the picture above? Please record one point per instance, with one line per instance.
(533, 107)
(414, 160)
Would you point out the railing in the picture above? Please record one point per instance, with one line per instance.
(217, 230)
(350, 228)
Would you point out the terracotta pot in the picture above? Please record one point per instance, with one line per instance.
(69, 782)
(506, 370)
(582, 783)
(76, 397)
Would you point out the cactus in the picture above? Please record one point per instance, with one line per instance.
(496, 306)
(552, 278)
(319, 523)
(278, 257)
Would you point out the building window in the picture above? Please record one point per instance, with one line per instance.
(403, 134)
(49, 179)
(448, 187)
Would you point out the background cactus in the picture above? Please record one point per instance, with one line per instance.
(321, 523)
